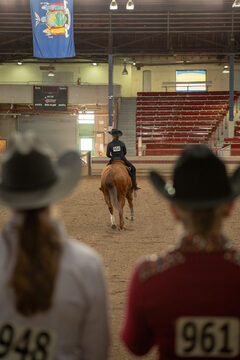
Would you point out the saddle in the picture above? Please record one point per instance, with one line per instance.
(122, 162)
(118, 161)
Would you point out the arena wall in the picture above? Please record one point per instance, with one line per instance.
(77, 95)
(131, 83)
(162, 164)
(59, 131)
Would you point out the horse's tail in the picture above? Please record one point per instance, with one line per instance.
(112, 193)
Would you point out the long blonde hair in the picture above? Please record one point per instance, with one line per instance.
(38, 255)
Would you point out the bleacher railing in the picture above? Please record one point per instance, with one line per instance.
(189, 85)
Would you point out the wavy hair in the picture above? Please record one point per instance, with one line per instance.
(36, 268)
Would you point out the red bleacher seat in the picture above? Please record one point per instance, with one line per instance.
(177, 118)
(234, 144)
(163, 152)
(159, 141)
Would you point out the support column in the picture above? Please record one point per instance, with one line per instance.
(110, 90)
(231, 97)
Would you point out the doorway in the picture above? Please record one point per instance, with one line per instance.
(86, 131)
(147, 80)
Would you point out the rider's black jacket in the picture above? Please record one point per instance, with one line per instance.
(116, 150)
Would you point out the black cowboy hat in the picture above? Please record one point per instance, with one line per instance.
(200, 180)
(30, 179)
(115, 132)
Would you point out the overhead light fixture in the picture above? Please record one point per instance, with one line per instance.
(51, 73)
(124, 72)
(19, 62)
(134, 63)
(94, 64)
(113, 5)
(225, 71)
(236, 3)
(225, 66)
(130, 5)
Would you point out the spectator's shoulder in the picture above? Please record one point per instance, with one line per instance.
(233, 256)
(82, 255)
(154, 264)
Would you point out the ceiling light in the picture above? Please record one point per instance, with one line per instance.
(124, 72)
(19, 62)
(130, 5)
(134, 63)
(225, 71)
(236, 3)
(51, 73)
(94, 64)
(113, 5)
(225, 66)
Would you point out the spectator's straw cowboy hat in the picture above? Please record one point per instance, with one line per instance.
(200, 180)
(30, 179)
(115, 132)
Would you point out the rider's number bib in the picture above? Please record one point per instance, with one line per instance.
(25, 343)
(207, 337)
(116, 148)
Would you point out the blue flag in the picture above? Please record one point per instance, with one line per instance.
(52, 24)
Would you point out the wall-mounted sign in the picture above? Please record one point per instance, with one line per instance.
(50, 98)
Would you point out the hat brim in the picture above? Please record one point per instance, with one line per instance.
(115, 134)
(68, 171)
(160, 184)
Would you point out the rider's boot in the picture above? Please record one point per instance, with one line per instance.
(134, 183)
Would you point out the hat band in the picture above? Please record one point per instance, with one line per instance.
(37, 186)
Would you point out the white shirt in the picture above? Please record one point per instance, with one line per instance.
(78, 318)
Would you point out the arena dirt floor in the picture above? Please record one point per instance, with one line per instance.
(87, 218)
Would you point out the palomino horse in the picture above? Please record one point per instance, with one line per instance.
(116, 186)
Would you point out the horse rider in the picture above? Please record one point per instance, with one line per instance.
(186, 302)
(116, 150)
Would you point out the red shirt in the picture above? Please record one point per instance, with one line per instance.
(186, 303)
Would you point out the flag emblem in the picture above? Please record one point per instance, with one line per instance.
(57, 20)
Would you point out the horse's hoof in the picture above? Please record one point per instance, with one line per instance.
(114, 226)
(126, 218)
(132, 218)
(121, 228)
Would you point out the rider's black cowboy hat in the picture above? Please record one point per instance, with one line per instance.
(30, 178)
(115, 132)
(200, 180)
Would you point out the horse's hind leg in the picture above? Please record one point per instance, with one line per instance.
(112, 218)
(110, 208)
(130, 203)
(121, 219)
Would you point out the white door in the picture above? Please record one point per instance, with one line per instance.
(146, 80)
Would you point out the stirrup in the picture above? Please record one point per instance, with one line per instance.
(137, 188)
